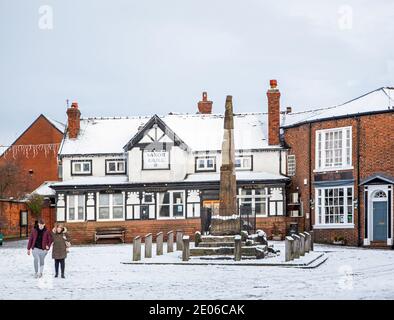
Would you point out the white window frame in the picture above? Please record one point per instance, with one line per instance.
(323, 224)
(291, 165)
(253, 202)
(116, 161)
(205, 162)
(171, 204)
(111, 207)
(242, 167)
(320, 150)
(76, 202)
(81, 162)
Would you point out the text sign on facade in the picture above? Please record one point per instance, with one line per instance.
(156, 160)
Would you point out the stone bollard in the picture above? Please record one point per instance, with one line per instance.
(296, 246)
(289, 248)
(170, 241)
(312, 240)
(238, 248)
(179, 243)
(185, 248)
(307, 241)
(197, 238)
(302, 244)
(137, 248)
(159, 244)
(148, 245)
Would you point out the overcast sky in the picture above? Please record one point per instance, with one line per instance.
(127, 57)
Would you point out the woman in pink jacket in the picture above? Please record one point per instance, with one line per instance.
(39, 242)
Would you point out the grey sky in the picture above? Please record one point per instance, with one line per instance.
(127, 57)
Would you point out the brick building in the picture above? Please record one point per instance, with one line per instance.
(342, 168)
(25, 167)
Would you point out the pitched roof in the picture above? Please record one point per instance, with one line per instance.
(200, 132)
(379, 100)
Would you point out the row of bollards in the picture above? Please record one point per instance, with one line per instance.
(297, 245)
(182, 244)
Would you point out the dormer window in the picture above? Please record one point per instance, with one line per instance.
(81, 167)
(244, 163)
(206, 164)
(115, 166)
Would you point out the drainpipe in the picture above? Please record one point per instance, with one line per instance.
(358, 184)
(310, 174)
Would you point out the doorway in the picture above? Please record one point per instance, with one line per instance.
(379, 216)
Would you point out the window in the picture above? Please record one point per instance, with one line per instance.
(334, 206)
(206, 164)
(243, 162)
(171, 204)
(254, 201)
(334, 148)
(115, 166)
(81, 167)
(291, 165)
(111, 206)
(76, 208)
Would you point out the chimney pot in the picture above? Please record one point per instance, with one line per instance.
(205, 106)
(273, 84)
(288, 110)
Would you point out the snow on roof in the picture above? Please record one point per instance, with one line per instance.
(195, 177)
(201, 132)
(240, 175)
(45, 190)
(57, 124)
(381, 99)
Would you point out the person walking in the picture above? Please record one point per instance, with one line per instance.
(39, 243)
(60, 246)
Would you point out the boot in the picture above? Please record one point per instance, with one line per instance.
(56, 275)
(63, 276)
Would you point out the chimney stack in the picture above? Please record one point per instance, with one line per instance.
(205, 106)
(273, 95)
(74, 120)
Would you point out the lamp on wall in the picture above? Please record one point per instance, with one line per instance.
(355, 203)
(312, 202)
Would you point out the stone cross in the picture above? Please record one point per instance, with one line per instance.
(228, 184)
(238, 248)
(186, 248)
(179, 236)
(159, 244)
(148, 245)
(137, 248)
(170, 241)
(289, 248)
(302, 244)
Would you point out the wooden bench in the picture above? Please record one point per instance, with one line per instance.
(110, 233)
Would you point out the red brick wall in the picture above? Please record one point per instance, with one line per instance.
(10, 218)
(376, 155)
(83, 232)
(44, 167)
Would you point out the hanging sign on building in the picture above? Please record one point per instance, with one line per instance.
(155, 160)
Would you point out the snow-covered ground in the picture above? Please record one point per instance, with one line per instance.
(96, 272)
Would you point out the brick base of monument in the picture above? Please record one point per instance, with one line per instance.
(225, 226)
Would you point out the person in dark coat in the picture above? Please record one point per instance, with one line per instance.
(40, 241)
(61, 242)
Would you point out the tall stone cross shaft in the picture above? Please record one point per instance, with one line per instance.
(228, 183)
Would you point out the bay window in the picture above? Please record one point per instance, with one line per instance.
(334, 206)
(76, 208)
(171, 205)
(110, 206)
(254, 201)
(334, 149)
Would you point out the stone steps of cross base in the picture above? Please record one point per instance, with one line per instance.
(220, 251)
(218, 244)
(218, 239)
